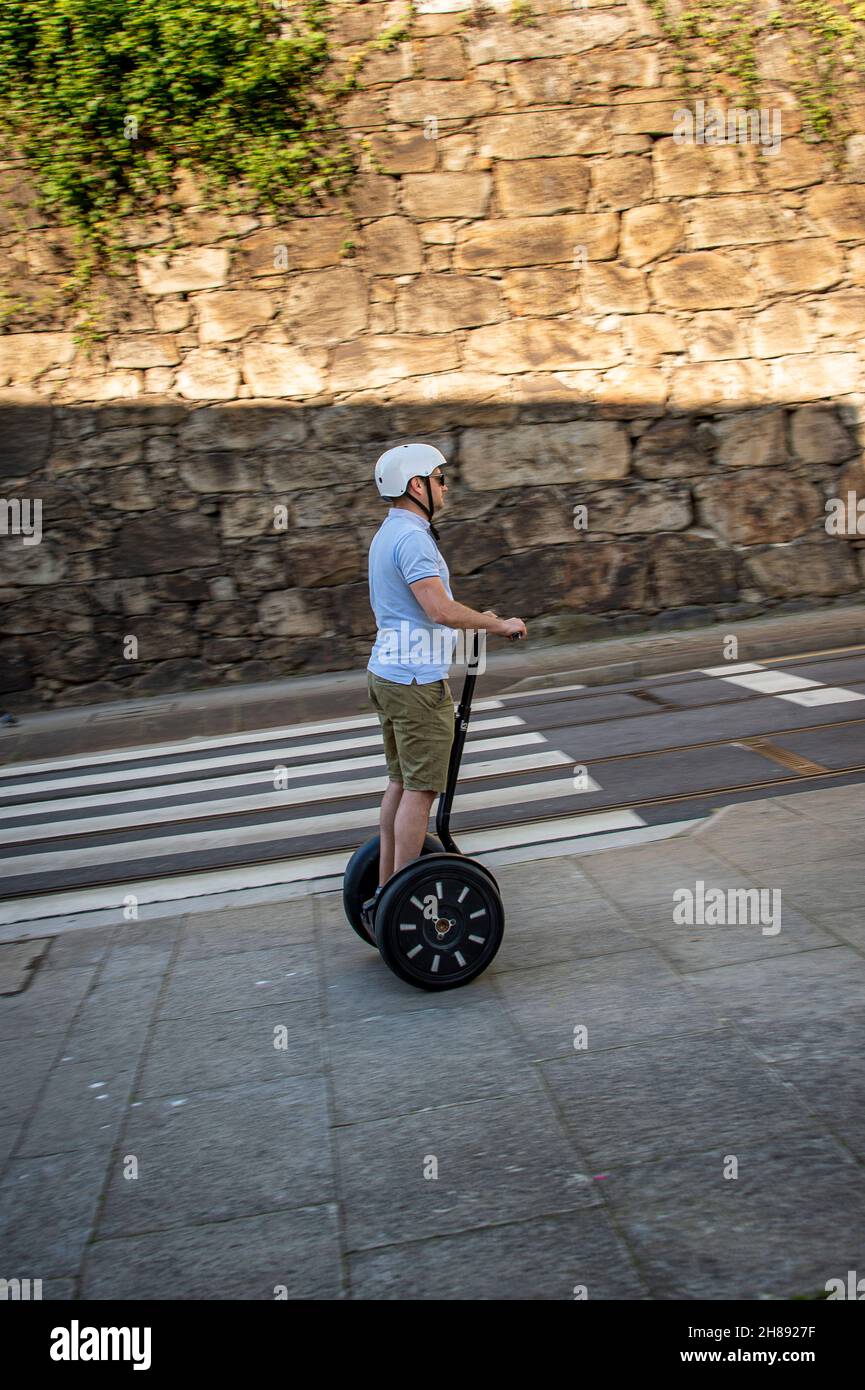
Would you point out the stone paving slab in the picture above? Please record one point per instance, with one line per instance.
(59, 1290)
(703, 947)
(48, 1003)
(130, 962)
(357, 985)
(619, 999)
(812, 984)
(136, 948)
(553, 1257)
(847, 926)
(8, 1139)
(497, 1160)
(24, 1068)
(813, 890)
(309, 1163)
(554, 934)
(281, 1254)
(787, 846)
(81, 1107)
(672, 1094)
(823, 1062)
(228, 1049)
(792, 1219)
(47, 1210)
(241, 980)
(113, 1023)
(841, 805)
(213, 1155)
(248, 929)
(652, 884)
(397, 1063)
(75, 949)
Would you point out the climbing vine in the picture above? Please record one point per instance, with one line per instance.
(827, 40)
(107, 102)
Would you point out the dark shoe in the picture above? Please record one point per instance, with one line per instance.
(367, 913)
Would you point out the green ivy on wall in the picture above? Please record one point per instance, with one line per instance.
(107, 100)
(827, 40)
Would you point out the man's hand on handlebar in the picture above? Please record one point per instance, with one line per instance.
(513, 628)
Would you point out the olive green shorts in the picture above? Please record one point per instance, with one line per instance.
(417, 722)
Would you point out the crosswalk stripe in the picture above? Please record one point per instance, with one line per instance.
(771, 682)
(543, 691)
(159, 750)
(189, 842)
(239, 805)
(123, 776)
(799, 690)
(538, 832)
(29, 806)
(824, 695)
(730, 669)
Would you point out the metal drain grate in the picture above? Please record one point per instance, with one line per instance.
(651, 698)
(780, 755)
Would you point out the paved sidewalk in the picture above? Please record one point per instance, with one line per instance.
(299, 1119)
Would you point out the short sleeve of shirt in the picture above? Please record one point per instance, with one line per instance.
(415, 556)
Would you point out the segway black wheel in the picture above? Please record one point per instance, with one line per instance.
(360, 880)
(439, 921)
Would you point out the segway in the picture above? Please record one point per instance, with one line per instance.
(439, 920)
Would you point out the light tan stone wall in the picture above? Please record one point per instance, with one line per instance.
(530, 272)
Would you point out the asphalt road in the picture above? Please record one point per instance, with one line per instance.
(541, 772)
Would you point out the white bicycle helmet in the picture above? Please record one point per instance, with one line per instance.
(396, 467)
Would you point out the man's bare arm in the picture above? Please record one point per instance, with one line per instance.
(432, 596)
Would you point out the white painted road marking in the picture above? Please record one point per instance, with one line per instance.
(799, 690)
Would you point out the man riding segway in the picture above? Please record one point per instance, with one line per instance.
(407, 681)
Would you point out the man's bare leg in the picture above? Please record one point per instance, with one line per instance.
(389, 805)
(410, 825)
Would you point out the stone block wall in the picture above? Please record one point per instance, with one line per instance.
(529, 272)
